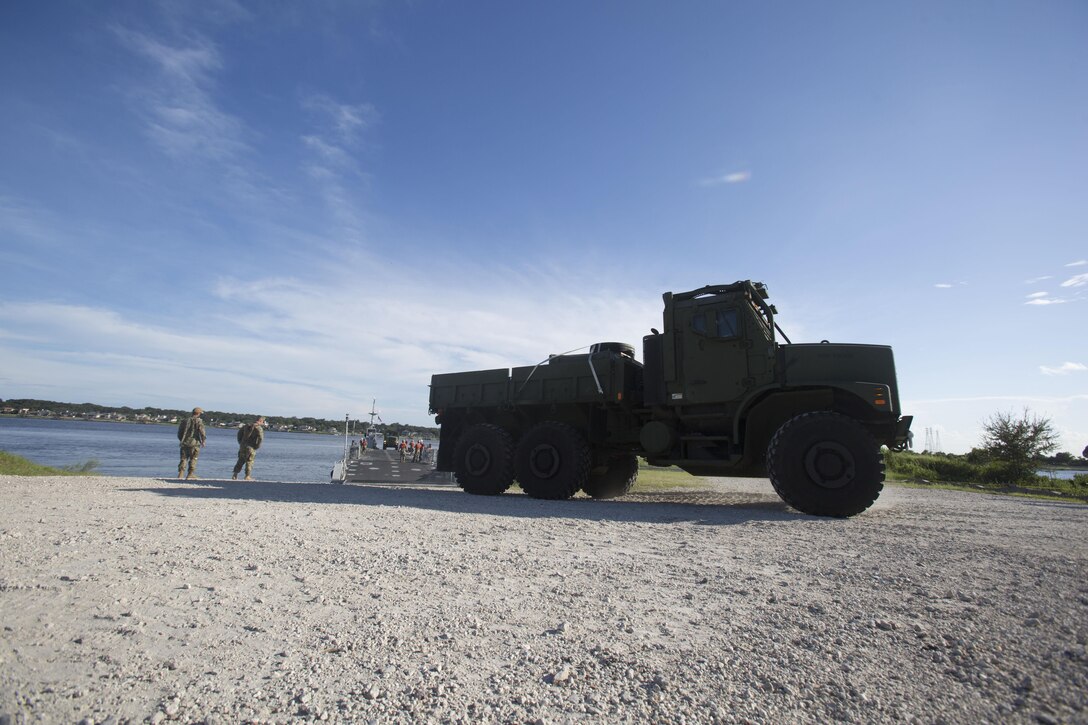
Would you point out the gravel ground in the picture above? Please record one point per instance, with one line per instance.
(136, 600)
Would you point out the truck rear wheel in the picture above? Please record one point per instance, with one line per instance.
(552, 461)
(616, 481)
(825, 464)
(483, 460)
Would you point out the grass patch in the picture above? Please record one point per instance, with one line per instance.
(653, 478)
(1054, 494)
(13, 465)
(956, 473)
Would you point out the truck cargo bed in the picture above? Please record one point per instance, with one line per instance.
(593, 378)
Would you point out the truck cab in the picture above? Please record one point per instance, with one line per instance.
(718, 343)
(718, 373)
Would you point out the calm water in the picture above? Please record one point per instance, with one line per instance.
(1064, 473)
(127, 449)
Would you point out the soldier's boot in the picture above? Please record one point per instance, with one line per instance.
(234, 477)
(181, 470)
(191, 474)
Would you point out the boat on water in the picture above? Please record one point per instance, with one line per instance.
(378, 458)
(339, 472)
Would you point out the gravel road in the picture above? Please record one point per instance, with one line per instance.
(150, 600)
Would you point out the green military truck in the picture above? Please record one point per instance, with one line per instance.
(715, 395)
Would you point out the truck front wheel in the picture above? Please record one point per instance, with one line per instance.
(615, 481)
(825, 464)
(483, 460)
(552, 461)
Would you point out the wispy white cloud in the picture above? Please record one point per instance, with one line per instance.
(735, 177)
(1063, 369)
(327, 152)
(1033, 280)
(177, 103)
(1077, 284)
(344, 121)
(943, 285)
(305, 347)
(1079, 280)
(333, 147)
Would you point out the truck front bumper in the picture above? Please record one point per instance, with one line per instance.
(902, 433)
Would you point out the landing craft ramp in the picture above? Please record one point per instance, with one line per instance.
(384, 466)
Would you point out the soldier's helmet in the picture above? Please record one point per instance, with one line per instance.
(197, 411)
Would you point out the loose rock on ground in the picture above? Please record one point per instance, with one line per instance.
(148, 600)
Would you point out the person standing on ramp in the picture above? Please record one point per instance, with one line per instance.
(250, 438)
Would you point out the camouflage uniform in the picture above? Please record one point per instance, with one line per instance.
(191, 435)
(250, 438)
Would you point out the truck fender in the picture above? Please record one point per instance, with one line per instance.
(763, 412)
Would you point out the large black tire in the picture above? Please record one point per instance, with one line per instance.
(618, 347)
(616, 481)
(483, 460)
(825, 464)
(552, 461)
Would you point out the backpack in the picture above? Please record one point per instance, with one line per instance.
(247, 435)
(187, 432)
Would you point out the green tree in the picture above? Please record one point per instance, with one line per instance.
(1018, 443)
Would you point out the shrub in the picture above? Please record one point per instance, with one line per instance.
(978, 456)
(87, 467)
(931, 467)
(1019, 442)
(955, 469)
(908, 466)
(1008, 472)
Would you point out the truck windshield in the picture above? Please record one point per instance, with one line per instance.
(716, 323)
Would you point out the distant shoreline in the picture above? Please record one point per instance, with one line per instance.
(35, 409)
(77, 419)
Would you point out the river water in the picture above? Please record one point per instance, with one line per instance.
(132, 449)
(1063, 473)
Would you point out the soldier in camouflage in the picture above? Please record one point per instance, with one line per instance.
(191, 437)
(250, 437)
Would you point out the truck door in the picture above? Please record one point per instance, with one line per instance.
(713, 358)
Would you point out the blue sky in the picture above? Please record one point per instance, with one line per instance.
(294, 208)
